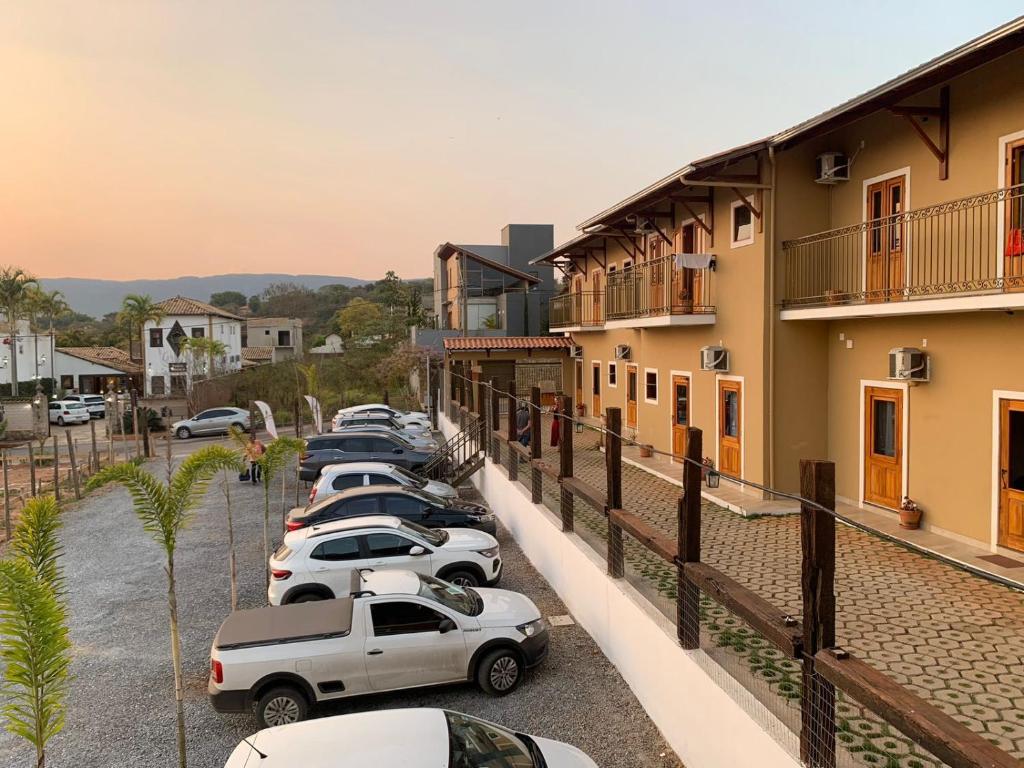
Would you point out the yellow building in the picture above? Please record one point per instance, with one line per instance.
(849, 288)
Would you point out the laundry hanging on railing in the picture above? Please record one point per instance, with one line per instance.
(693, 260)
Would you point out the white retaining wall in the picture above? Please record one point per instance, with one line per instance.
(703, 722)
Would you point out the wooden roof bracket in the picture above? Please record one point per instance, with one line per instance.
(755, 210)
(696, 219)
(664, 237)
(940, 150)
(635, 252)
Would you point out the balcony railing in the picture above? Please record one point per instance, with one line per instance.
(581, 310)
(973, 245)
(659, 287)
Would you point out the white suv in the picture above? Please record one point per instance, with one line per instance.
(335, 478)
(316, 562)
(94, 404)
(401, 738)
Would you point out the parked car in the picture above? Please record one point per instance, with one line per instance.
(94, 404)
(427, 738)
(421, 441)
(396, 630)
(212, 421)
(316, 562)
(68, 412)
(361, 445)
(340, 477)
(405, 417)
(407, 503)
(378, 418)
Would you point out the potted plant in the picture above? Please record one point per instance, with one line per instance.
(706, 466)
(910, 514)
(834, 296)
(581, 409)
(646, 450)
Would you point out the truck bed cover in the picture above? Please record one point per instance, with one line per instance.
(296, 623)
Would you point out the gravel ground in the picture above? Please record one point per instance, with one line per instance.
(121, 709)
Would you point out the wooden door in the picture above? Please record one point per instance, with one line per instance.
(884, 267)
(1011, 474)
(686, 283)
(730, 427)
(883, 446)
(579, 383)
(595, 279)
(655, 271)
(631, 389)
(595, 389)
(1013, 254)
(680, 413)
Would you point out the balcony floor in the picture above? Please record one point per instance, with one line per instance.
(930, 306)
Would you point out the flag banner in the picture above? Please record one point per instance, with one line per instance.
(268, 418)
(314, 407)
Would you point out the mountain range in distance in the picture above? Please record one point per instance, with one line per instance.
(98, 297)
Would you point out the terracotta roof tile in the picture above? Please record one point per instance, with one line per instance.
(111, 357)
(258, 354)
(182, 305)
(507, 342)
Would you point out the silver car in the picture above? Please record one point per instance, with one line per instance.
(212, 421)
(335, 478)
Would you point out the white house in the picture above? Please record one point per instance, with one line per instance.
(168, 364)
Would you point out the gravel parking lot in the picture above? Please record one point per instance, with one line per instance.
(121, 709)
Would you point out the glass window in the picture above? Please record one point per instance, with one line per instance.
(378, 479)
(612, 374)
(742, 224)
(362, 506)
(461, 599)
(354, 445)
(337, 550)
(388, 545)
(731, 427)
(884, 427)
(403, 506)
(198, 333)
(344, 482)
(1015, 479)
(651, 385)
(383, 445)
(631, 384)
(156, 337)
(682, 404)
(413, 478)
(477, 744)
(400, 618)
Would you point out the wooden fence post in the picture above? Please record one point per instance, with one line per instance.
(495, 424)
(688, 543)
(613, 465)
(56, 467)
(566, 427)
(818, 543)
(513, 432)
(32, 468)
(7, 498)
(536, 479)
(74, 465)
(94, 456)
(144, 428)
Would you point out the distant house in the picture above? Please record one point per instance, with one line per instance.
(167, 362)
(253, 356)
(94, 370)
(283, 335)
(332, 345)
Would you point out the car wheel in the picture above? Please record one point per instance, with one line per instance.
(281, 706)
(60, 421)
(500, 672)
(239, 426)
(462, 579)
(183, 433)
(306, 597)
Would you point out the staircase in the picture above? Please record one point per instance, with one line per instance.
(461, 456)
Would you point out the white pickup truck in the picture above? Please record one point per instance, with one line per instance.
(397, 629)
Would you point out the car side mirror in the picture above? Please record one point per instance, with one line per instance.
(446, 625)
(417, 551)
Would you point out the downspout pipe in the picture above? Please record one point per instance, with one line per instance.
(771, 322)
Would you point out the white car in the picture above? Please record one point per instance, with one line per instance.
(335, 478)
(68, 412)
(396, 630)
(94, 404)
(411, 417)
(402, 738)
(316, 562)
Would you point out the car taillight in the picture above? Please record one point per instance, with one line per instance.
(216, 671)
(305, 457)
(312, 494)
(279, 574)
(293, 525)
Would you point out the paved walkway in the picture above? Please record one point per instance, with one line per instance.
(953, 638)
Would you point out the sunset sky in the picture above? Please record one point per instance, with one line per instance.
(145, 139)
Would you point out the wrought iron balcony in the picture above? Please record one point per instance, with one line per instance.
(660, 287)
(970, 246)
(577, 310)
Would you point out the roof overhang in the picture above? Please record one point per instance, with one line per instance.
(446, 250)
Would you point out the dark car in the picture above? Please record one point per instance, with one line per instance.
(407, 503)
(339, 448)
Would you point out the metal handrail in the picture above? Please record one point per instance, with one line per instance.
(579, 308)
(659, 287)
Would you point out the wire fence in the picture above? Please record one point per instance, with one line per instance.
(827, 666)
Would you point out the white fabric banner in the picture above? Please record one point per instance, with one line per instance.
(692, 260)
(314, 407)
(268, 418)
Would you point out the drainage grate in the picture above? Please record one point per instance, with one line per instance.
(561, 621)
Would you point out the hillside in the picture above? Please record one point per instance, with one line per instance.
(97, 297)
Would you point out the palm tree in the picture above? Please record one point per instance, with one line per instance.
(35, 650)
(164, 509)
(15, 284)
(136, 311)
(51, 305)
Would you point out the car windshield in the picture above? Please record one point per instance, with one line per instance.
(94, 400)
(462, 599)
(74, 406)
(476, 744)
(412, 477)
(437, 537)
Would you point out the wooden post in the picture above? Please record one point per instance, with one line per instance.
(144, 427)
(32, 467)
(134, 403)
(495, 423)
(7, 498)
(56, 467)
(298, 419)
(613, 464)
(94, 455)
(536, 479)
(818, 543)
(688, 543)
(513, 433)
(74, 465)
(566, 428)
(387, 400)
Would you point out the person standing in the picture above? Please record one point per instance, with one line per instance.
(254, 449)
(523, 424)
(556, 424)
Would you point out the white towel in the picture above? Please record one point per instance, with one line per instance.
(692, 260)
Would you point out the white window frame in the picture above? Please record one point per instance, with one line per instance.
(1004, 142)
(613, 366)
(657, 386)
(732, 225)
(905, 171)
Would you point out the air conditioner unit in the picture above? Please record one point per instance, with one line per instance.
(575, 351)
(714, 359)
(623, 352)
(908, 364)
(831, 168)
